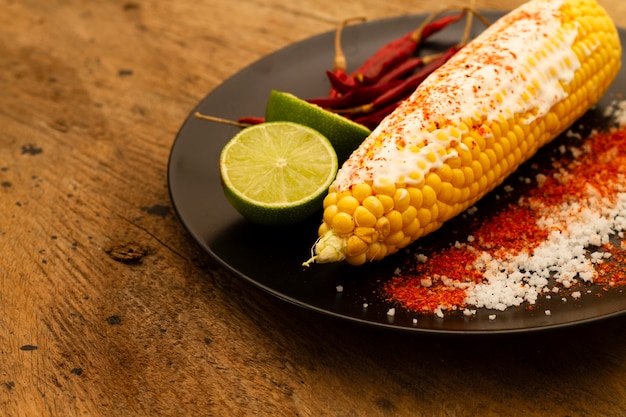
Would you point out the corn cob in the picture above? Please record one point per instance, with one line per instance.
(514, 88)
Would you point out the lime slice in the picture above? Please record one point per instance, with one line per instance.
(277, 173)
(343, 133)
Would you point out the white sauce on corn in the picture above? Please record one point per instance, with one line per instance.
(516, 66)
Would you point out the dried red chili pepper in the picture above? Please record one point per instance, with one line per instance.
(372, 120)
(401, 49)
(339, 85)
(357, 96)
(402, 70)
(339, 64)
(251, 120)
(409, 85)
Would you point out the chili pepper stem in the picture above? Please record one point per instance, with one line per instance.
(364, 108)
(480, 16)
(216, 119)
(417, 34)
(340, 62)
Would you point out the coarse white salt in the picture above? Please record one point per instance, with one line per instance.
(548, 313)
(576, 152)
(541, 179)
(595, 240)
(414, 321)
(365, 305)
(339, 288)
(572, 134)
(513, 279)
(617, 111)
(576, 295)
(426, 282)
(391, 312)
(492, 317)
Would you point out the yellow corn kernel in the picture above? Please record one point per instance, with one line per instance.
(376, 251)
(384, 188)
(330, 200)
(412, 228)
(429, 195)
(357, 259)
(387, 203)
(374, 206)
(363, 217)
(395, 238)
(408, 215)
(395, 220)
(366, 234)
(401, 199)
(423, 216)
(347, 204)
(323, 229)
(447, 192)
(383, 227)
(361, 191)
(457, 153)
(329, 213)
(355, 246)
(417, 199)
(433, 181)
(342, 223)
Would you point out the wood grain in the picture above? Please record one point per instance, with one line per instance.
(108, 308)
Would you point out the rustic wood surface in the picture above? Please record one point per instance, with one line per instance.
(108, 308)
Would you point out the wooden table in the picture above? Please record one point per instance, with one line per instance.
(92, 94)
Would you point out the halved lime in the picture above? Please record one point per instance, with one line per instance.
(344, 134)
(277, 173)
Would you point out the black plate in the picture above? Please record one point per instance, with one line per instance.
(271, 258)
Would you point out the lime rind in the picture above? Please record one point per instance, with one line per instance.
(344, 134)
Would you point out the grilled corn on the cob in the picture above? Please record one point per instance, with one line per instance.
(514, 88)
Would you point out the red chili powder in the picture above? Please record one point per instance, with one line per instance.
(438, 282)
(613, 273)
